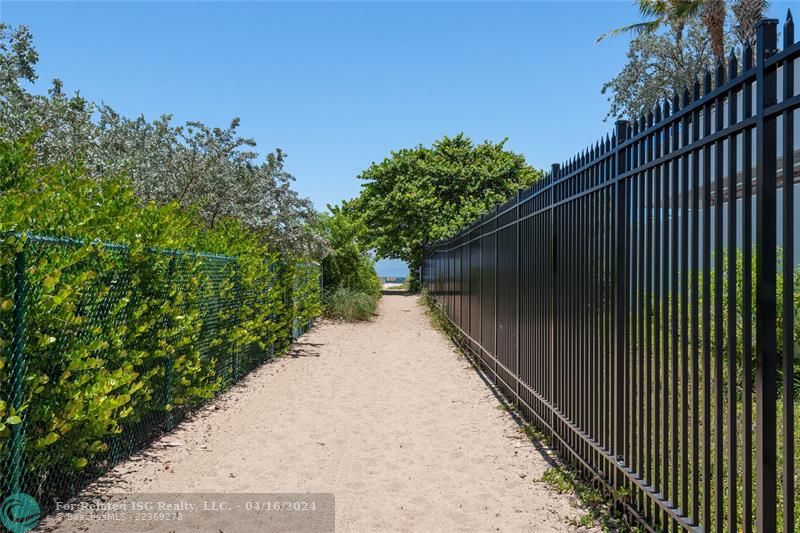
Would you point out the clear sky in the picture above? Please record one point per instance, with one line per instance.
(339, 85)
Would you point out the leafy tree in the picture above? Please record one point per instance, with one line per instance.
(658, 14)
(215, 172)
(675, 43)
(421, 194)
(657, 65)
(349, 264)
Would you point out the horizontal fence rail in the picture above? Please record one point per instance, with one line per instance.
(639, 302)
(103, 348)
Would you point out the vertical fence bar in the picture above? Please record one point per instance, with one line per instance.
(706, 313)
(747, 297)
(788, 286)
(620, 312)
(495, 271)
(732, 318)
(649, 310)
(518, 276)
(555, 173)
(695, 312)
(719, 393)
(663, 214)
(673, 209)
(766, 356)
(642, 311)
(657, 304)
(684, 300)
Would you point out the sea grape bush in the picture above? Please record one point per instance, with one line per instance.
(119, 337)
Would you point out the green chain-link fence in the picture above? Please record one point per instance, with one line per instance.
(103, 347)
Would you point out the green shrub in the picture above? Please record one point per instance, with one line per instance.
(349, 264)
(350, 305)
(120, 336)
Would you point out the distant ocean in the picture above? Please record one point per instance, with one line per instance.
(391, 268)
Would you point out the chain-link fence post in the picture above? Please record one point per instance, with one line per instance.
(18, 368)
(167, 398)
(235, 294)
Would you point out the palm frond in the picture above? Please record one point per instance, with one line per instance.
(639, 28)
(654, 9)
(686, 9)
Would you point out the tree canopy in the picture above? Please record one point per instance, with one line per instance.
(214, 171)
(422, 194)
(349, 264)
(673, 46)
(658, 65)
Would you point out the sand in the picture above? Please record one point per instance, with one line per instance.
(385, 415)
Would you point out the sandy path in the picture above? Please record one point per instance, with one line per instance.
(385, 415)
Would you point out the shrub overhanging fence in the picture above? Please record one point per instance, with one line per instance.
(104, 347)
(639, 303)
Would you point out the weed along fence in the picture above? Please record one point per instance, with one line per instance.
(103, 347)
(639, 303)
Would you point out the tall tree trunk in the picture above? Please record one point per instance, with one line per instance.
(714, 12)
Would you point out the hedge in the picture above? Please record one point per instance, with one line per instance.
(113, 325)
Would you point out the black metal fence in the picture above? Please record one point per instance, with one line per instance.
(639, 303)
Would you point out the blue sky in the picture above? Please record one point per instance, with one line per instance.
(339, 85)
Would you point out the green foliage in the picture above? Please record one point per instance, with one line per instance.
(350, 305)
(739, 318)
(658, 64)
(421, 194)
(121, 337)
(349, 264)
(599, 506)
(672, 47)
(118, 337)
(214, 172)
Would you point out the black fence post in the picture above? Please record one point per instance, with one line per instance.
(789, 289)
(495, 271)
(620, 300)
(555, 172)
(518, 274)
(766, 349)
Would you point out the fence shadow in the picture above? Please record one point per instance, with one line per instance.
(546, 453)
(304, 349)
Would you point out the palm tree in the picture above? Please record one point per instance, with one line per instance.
(658, 13)
(713, 13)
(675, 14)
(747, 14)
